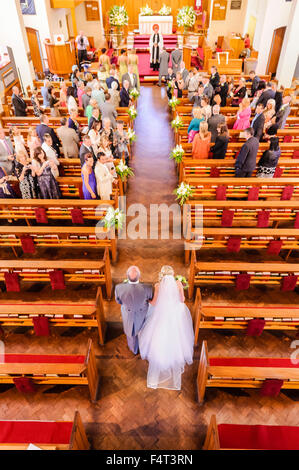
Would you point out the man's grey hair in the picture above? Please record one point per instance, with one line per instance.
(133, 273)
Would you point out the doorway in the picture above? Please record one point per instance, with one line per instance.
(35, 49)
(275, 51)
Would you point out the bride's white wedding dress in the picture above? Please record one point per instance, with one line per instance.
(167, 338)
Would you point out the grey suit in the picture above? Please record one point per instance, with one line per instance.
(163, 69)
(208, 91)
(6, 164)
(70, 141)
(282, 116)
(133, 299)
(108, 111)
(133, 84)
(213, 124)
(176, 59)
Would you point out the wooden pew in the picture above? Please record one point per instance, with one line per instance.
(234, 316)
(228, 111)
(228, 272)
(182, 136)
(60, 237)
(52, 435)
(237, 188)
(54, 209)
(87, 314)
(250, 437)
(74, 271)
(53, 369)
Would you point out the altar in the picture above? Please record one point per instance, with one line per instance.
(146, 24)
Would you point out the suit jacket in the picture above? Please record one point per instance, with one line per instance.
(254, 85)
(109, 81)
(282, 116)
(70, 141)
(83, 151)
(133, 299)
(185, 74)
(196, 100)
(246, 160)
(164, 60)
(278, 101)
(133, 84)
(42, 129)
(109, 111)
(7, 165)
(176, 59)
(124, 98)
(223, 93)
(220, 148)
(209, 91)
(19, 105)
(265, 96)
(215, 80)
(213, 124)
(258, 126)
(85, 100)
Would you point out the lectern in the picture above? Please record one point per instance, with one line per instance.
(61, 58)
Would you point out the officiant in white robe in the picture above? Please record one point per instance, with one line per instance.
(104, 179)
(156, 47)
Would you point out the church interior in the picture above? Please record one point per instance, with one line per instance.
(143, 145)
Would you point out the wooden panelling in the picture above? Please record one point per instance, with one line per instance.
(219, 10)
(92, 11)
(33, 40)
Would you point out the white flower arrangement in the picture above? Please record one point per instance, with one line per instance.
(146, 11)
(165, 10)
(134, 93)
(177, 154)
(131, 135)
(183, 193)
(132, 112)
(118, 16)
(124, 171)
(114, 218)
(173, 103)
(186, 17)
(183, 280)
(177, 123)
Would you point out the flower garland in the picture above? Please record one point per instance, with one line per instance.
(183, 193)
(186, 17)
(177, 154)
(134, 93)
(177, 123)
(165, 10)
(118, 16)
(132, 112)
(124, 171)
(173, 103)
(146, 11)
(131, 135)
(114, 218)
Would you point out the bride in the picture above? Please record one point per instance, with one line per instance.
(167, 338)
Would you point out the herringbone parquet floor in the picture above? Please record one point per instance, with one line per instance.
(127, 414)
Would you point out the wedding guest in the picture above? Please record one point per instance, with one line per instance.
(86, 98)
(105, 148)
(45, 94)
(18, 139)
(71, 101)
(88, 112)
(258, 122)
(124, 95)
(80, 92)
(107, 131)
(18, 103)
(104, 178)
(114, 93)
(89, 186)
(69, 139)
(6, 191)
(220, 148)
(54, 102)
(123, 64)
(268, 162)
(25, 173)
(179, 85)
(121, 142)
(277, 97)
(255, 81)
(72, 121)
(102, 77)
(98, 94)
(202, 142)
(267, 94)
(243, 116)
(86, 148)
(35, 103)
(198, 96)
(63, 94)
(206, 108)
(104, 59)
(269, 112)
(133, 65)
(95, 117)
(239, 92)
(246, 160)
(112, 78)
(48, 186)
(51, 154)
(215, 79)
(195, 123)
(108, 110)
(284, 111)
(6, 153)
(95, 135)
(33, 141)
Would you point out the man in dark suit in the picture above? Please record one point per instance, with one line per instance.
(131, 77)
(43, 128)
(196, 99)
(278, 97)
(85, 148)
(95, 117)
(215, 79)
(124, 95)
(111, 79)
(268, 94)
(18, 103)
(255, 81)
(214, 122)
(258, 121)
(223, 90)
(246, 161)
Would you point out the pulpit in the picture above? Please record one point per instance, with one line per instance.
(61, 58)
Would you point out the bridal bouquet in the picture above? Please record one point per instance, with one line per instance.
(114, 218)
(132, 112)
(183, 280)
(173, 103)
(183, 193)
(177, 154)
(134, 93)
(118, 16)
(124, 171)
(131, 135)
(186, 17)
(165, 11)
(177, 123)
(146, 11)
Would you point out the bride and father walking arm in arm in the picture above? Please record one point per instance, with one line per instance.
(159, 324)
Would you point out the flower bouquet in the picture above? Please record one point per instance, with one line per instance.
(131, 135)
(173, 103)
(177, 154)
(186, 17)
(118, 16)
(132, 112)
(124, 171)
(183, 280)
(134, 93)
(165, 10)
(177, 123)
(146, 11)
(114, 218)
(183, 193)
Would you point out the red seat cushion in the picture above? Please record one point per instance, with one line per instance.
(234, 436)
(255, 327)
(221, 193)
(288, 139)
(253, 362)
(263, 219)
(41, 326)
(77, 216)
(243, 281)
(289, 283)
(12, 282)
(296, 154)
(57, 279)
(41, 215)
(253, 194)
(43, 359)
(278, 172)
(233, 244)
(296, 224)
(27, 244)
(271, 388)
(38, 432)
(214, 173)
(287, 193)
(24, 384)
(274, 247)
(227, 218)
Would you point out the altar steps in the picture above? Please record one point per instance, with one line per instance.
(141, 41)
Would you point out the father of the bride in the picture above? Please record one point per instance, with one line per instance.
(133, 296)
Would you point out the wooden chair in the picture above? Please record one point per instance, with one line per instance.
(239, 372)
(53, 369)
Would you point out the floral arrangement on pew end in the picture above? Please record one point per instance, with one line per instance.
(131, 135)
(177, 123)
(114, 218)
(134, 93)
(132, 112)
(186, 17)
(165, 10)
(124, 171)
(118, 16)
(183, 193)
(183, 280)
(146, 11)
(173, 103)
(177, 154)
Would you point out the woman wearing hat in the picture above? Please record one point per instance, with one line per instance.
(155, 46)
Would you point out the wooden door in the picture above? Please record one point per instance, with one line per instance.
(274, 56)
(35, 49)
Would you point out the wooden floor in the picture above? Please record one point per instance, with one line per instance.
(128, 415)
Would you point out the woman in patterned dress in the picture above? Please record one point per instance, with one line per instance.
(47, 184)
(25, 173)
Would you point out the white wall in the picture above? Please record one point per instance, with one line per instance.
(39, 22)
(91, 28)
(234, 22)
(290, 49)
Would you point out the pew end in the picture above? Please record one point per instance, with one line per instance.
(100, 315)
(212, 438)
(92, 372)
(202, 375)
(78, 440)
(197, 314)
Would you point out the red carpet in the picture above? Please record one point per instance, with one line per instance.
(141, 41)
(144, 65)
